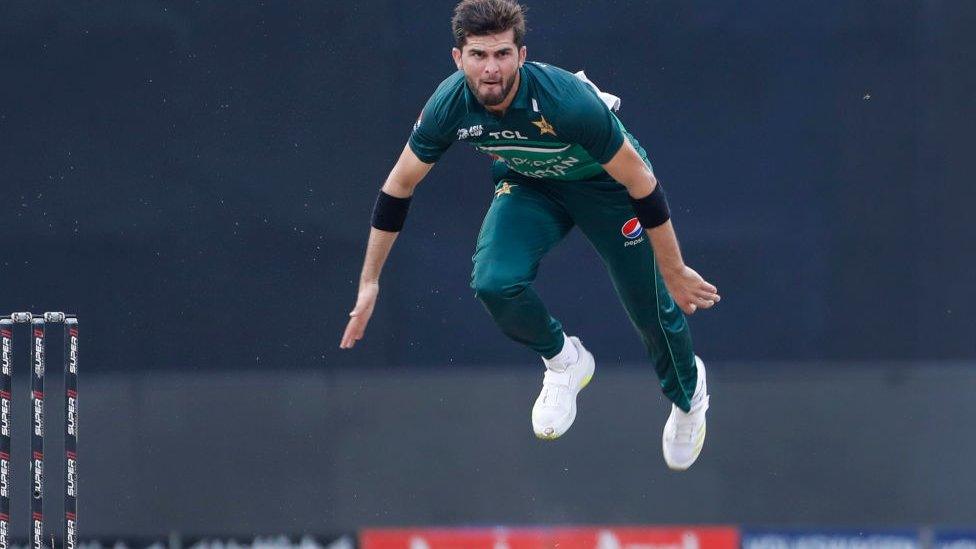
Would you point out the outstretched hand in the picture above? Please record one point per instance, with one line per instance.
(689, 290)
(359, 316)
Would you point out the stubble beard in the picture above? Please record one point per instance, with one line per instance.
(490, 100)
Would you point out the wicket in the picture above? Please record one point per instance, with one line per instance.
(37, 325)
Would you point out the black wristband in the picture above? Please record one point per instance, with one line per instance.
(390, 212)
(652, 210)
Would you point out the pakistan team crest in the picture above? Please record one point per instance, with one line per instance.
(506, 188)
(545, 127)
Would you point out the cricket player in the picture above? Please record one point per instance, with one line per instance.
(563, 160)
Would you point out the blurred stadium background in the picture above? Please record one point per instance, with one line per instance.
(194, 179)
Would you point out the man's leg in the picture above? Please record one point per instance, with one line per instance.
(523, 223)
(603, 212)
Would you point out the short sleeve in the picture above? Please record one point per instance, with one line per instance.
(589, 122)
(431, 136)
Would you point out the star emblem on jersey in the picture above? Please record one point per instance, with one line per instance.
(506, 188)
(544, 126)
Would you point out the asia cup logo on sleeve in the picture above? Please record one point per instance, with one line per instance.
(632, 228)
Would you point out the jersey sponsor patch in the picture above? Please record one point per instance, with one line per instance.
(632, 228)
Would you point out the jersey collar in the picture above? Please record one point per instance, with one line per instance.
(521, 100)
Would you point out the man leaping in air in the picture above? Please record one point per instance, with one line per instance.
(563, 159)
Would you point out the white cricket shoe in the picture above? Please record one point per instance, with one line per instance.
(555, 409)
(684, 433)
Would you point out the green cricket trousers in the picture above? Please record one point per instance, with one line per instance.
(527, 218)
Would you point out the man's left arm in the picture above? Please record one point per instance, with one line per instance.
(689, 290)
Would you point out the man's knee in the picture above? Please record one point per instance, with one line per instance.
(491, 284)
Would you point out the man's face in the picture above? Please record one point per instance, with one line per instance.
(490, 64)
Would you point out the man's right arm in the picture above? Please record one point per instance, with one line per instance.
(403, 179)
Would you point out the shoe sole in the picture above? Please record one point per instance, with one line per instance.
(586, 381)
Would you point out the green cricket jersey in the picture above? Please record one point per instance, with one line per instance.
(557, 127)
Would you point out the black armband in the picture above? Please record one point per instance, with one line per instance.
(652, 210)
(390, 212)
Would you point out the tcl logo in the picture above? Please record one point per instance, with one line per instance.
(506, 134)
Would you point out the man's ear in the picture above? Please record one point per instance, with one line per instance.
(456, 54)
